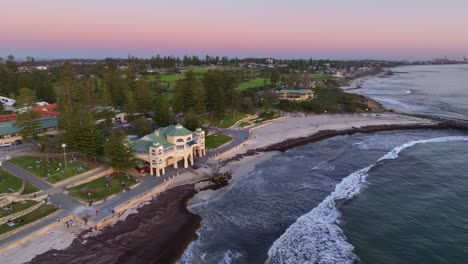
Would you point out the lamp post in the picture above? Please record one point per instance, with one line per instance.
(64, 155)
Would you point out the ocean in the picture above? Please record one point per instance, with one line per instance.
(430, 89)
(388, 197)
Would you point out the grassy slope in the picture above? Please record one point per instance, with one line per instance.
(29, 188)
(230, 120)
(215, 140)
(41, 170)
(98, 190)
(253, 83)
(16, 207)
(39, 213)
(8, 180)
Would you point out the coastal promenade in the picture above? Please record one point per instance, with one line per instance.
(68, 205)
(255, 137)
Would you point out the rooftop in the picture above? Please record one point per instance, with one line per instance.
(152, 139)
(296, 91)
(8, 128)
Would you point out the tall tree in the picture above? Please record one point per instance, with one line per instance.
(143, 96)
(26, 98)
(162, 112)
(27, 121)
(130, 105)
(119, 152)
(275, 77)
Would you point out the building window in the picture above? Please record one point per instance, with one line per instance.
(188, 139)
(160, 161)
(180, 147)
(180, 140)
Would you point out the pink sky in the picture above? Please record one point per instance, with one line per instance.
(294, 28)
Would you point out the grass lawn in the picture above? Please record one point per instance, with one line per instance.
(29, 188)
(8, 180)
(96, 190)
(14, 208)
(321, 76)
(39, 213)
(215, 140)
(244, 124)
(53, 172)
(254, 83)
(230, 120)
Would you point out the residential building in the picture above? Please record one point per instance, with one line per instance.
(295, 94)
(168, 146)
(7, 102)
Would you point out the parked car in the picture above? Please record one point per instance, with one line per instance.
(5, 144)
(18, 142)
(143, 168)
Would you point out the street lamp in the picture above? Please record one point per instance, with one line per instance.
(64, 154)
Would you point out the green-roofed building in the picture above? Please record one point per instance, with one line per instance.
(295, 94)
(168, 145)
(9, 132)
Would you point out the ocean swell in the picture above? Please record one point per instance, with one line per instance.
(316, 237)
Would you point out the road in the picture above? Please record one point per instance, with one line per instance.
(70, 205)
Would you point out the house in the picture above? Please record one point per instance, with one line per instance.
(7, 102)
(295, 94)
(9, 132)
(41, 68)
(168, 146)
(46, 110)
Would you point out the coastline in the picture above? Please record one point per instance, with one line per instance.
(169, 215)
(172, 226)
(158, 233)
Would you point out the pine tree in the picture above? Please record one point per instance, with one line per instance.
(28, 125)
(119, 152)
(162, 112)
(130, 105)
(143, 96)
(27, 122)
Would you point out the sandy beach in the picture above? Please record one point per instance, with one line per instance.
(162, 228)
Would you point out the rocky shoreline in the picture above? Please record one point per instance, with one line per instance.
(158, 233)
(161, 230)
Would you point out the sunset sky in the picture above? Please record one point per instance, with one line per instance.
(397, 29)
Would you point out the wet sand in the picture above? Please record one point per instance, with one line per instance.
(158, 233)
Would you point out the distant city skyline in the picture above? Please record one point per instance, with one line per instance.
(336, 29)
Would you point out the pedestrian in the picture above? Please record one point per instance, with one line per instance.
(97, 212)
(68, 224)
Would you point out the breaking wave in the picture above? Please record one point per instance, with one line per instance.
(316, 237)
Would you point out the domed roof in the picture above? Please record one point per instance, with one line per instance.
(178, 131)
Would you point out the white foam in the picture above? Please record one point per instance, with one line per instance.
(230, 257)
(324, 166)
(316, 236)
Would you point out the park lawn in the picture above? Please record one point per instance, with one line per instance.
(172, 78)
(37, 214)
(16, 207)
(321, 76)
(29, 188)
(42, 171)
(215, 140)
(254, 83)
(8, 180)
(244, 124)
(96, 190)
(230, 120)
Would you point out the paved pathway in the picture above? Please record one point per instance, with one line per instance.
(70, 205)
(41, 184)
